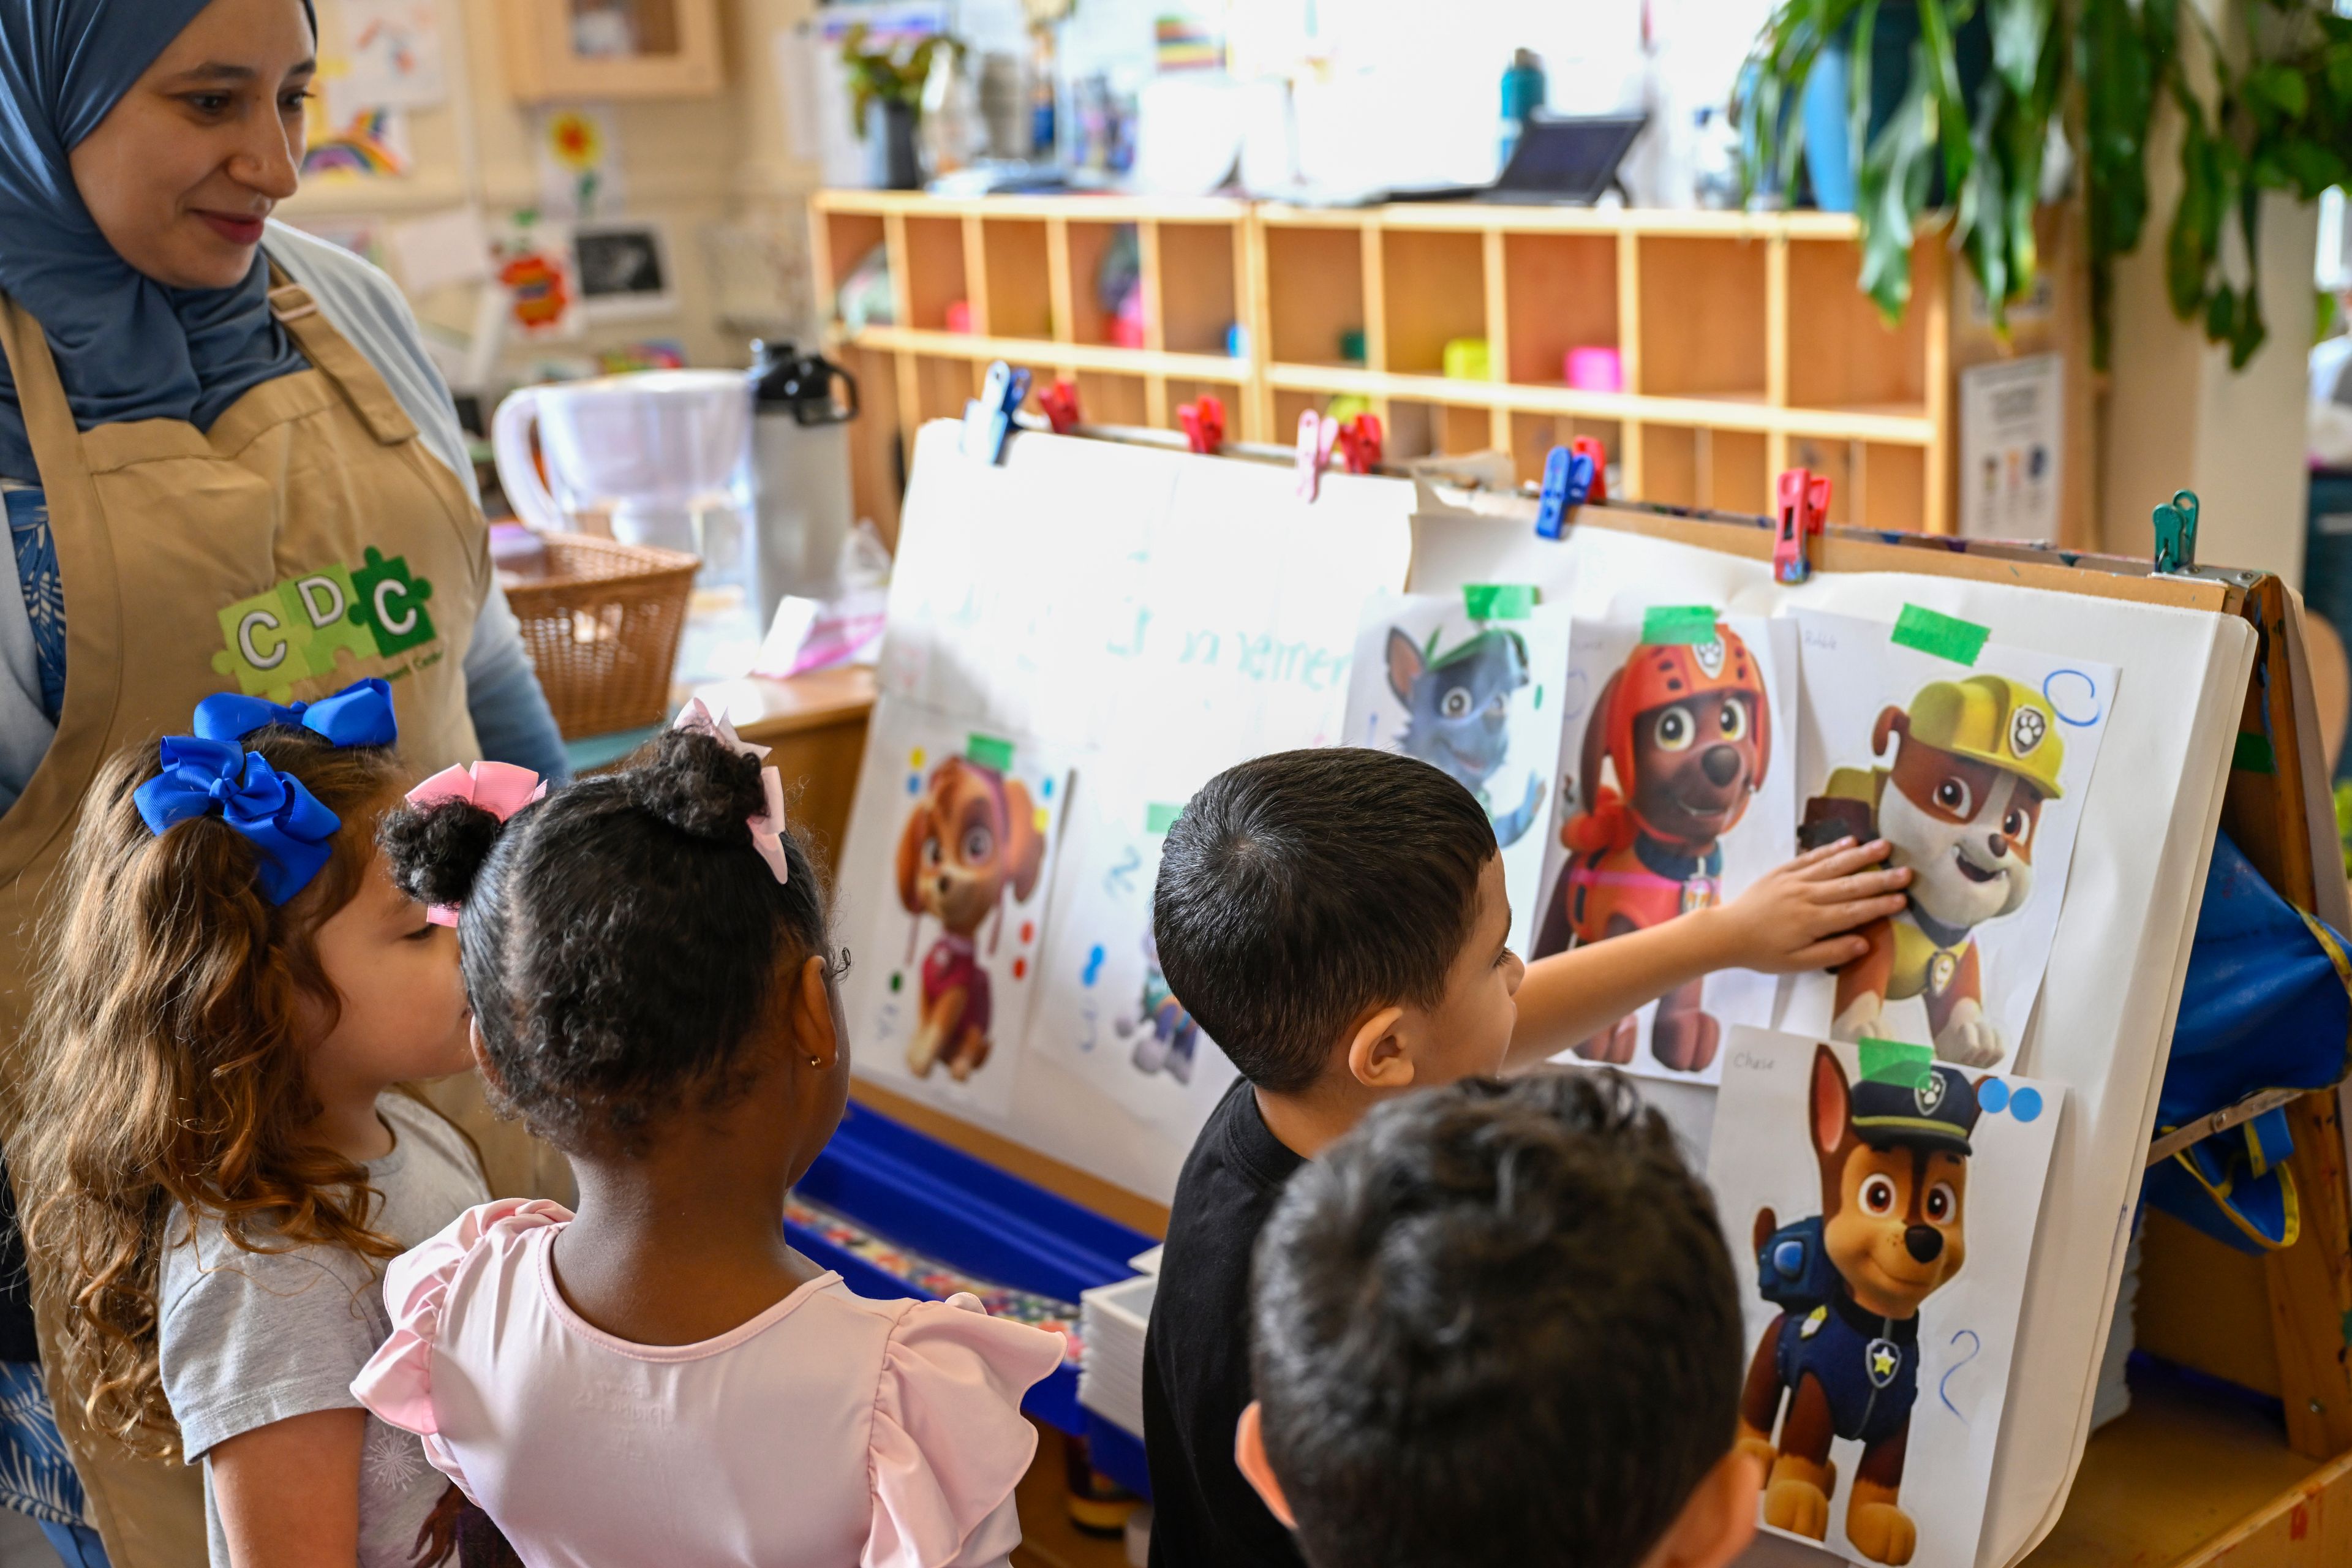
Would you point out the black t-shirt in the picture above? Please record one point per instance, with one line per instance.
(1196, 1371)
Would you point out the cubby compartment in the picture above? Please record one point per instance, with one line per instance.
(1315, 281)
(1533, 436)
(1843, 462)
(943, 385)
(849, 238)
(1197, 293)
(1893, 486)
(1847, 357)
(1415, 429)
(1702, 321)
(935, 278)
(1107, 397)
(1016, 279)
(876, 469)
(1669, 466)
(1559, 292)
(1434, 284)
(1093, 317)
(1732, 474)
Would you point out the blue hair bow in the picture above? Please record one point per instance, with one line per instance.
(283, 819)
(358, 715)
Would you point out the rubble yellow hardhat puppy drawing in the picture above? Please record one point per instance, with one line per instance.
(1974, 760)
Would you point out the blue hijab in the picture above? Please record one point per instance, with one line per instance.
(127, 347)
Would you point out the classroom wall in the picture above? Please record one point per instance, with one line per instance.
(699, 166)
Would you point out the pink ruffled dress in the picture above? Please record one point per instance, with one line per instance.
(827, 1431)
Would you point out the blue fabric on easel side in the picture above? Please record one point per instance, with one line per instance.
(2263, 1006)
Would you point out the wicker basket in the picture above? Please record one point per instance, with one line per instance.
(602, 626)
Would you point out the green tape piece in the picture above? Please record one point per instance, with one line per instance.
(1678, 623)
(988, 752)
(1944, 637)
(1893, 1061)
(1498, 601)
(1159, 816)
(2253, 755)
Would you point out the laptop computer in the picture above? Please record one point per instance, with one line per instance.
(1560, 160)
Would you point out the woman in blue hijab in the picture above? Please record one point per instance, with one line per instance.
(227, 461)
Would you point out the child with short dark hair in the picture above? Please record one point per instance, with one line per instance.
(1336, 921)
(660, 1377)
(1496, 1325)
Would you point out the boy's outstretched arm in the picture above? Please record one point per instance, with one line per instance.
(1801, 916)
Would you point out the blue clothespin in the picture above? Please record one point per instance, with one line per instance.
(988, 418)
(2176, 533)
(1567, 485)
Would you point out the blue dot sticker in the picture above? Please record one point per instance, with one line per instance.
(914, 783)
(1046, 789)
(1993, 1095)
(2025, 1104)
(1093, 964)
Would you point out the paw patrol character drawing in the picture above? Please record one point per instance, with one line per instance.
(1842, 1359)
(1459, 704)
(972, 839)
(1168, 1034)
(1686, 730)
(1974, 761)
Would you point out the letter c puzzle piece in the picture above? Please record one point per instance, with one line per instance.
(392, 602)
(265, 646)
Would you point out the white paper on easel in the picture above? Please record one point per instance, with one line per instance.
(2132, 894)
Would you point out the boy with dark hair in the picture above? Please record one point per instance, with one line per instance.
(1496, 1325)
(1336, 921)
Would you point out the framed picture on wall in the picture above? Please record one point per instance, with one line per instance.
(624, 270)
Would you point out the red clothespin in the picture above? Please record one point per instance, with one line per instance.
(1205, 425)
(1315, 434)
(1059, 403)
(1587, 447)
(1359, 442)
(1805, 503)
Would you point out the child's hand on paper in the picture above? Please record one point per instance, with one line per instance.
(1803, 915)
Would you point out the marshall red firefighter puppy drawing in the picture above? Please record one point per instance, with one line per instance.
(1842, 1359)
(1974, 762)
(1686, 732)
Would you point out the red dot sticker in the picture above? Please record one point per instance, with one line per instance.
(1020, 969)
(1028, 930)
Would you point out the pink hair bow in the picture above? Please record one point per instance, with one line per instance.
(500, 788)
(767, 826)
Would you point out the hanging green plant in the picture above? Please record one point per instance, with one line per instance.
(2264, 105)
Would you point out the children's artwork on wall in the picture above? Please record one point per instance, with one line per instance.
(1105, 1011)
(534, 267)
(578, 151)
(943, 887)
(1974, 767)
(624, 270)
(1678, 794)
(370, 144)
(1478, 695)
(392, 55)
(1880, 1207)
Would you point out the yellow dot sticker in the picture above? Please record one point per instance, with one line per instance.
(1043, 818)
(914, 757)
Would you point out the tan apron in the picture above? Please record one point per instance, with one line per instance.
(307, 540)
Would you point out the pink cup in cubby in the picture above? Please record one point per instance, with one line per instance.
(1594, 368)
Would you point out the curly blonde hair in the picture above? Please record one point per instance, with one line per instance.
(166, 1065)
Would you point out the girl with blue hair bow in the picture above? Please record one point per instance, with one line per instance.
(215, 1154)
(227, 463)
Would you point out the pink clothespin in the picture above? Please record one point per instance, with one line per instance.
(1317, 432)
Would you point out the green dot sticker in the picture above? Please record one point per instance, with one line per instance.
(896, 980)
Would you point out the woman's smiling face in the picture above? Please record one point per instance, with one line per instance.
(181, 172)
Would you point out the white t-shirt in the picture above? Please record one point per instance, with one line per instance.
(253, 1338)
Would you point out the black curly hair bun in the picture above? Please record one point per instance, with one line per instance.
(699, 786)
(437, 851)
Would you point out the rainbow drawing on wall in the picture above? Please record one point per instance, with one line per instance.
(360, 150)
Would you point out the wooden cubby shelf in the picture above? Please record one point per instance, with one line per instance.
(1746, 344)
